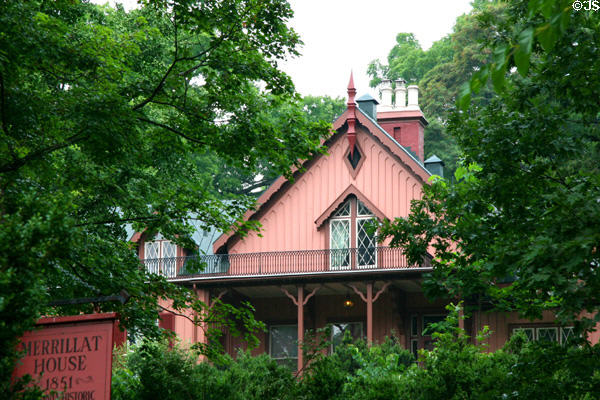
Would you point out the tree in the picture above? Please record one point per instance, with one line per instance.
(231, 182)
(323, 108)
(441, 71)
(104, 119)
(520, 227)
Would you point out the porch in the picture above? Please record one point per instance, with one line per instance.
(368, 309)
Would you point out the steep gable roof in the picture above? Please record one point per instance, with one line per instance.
(351, 116)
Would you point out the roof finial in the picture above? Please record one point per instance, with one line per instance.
(351, 115)
(351, 90)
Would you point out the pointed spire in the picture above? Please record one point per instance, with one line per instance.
(352, 115)
(351, 90)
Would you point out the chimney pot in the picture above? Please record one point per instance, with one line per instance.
(413, 96)
(386, 94)
(400, 93)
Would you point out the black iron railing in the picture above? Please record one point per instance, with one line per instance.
(281, 262)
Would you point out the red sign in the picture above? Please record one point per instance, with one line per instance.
(71, 357)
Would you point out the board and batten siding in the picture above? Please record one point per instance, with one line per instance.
(289, 224)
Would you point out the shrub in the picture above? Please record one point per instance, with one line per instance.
(356, 370)
(455, 369)
(156, 370)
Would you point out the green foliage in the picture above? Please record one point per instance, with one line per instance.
(441, 72)
(309, 110)
(156, 370)
(545, 23)
(526, 204)
(549, 370)
(455, 369)
(378, 373)
(323, 108)
(110, 120)
(356, 371)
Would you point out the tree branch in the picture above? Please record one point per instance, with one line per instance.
(2, 103)
(158, 87)
(249, 189)
(19, 162)
(217, 43)
(178, 314)
(180, 109)
(117, 221)
(171, 129)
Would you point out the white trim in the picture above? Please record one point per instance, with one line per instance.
(366, 266)
(562, 329)
(414, 347)
(339, 251)
(553, 328)
(414, 318)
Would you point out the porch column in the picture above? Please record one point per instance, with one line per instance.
(300, 326)
(300, 302)
(369, 299)
(199, 327)
(370, 312)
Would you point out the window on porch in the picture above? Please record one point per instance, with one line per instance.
(283, 344)
(349, 229)
(341, 329)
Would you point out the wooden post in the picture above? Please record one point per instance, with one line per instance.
(369, 299)
(370, 312)
(300, 325)
(300, 302)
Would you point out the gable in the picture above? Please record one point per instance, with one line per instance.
(291, 212)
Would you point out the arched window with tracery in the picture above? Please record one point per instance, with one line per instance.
(160, 256)
(351, 242)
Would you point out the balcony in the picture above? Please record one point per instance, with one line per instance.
(281, 263)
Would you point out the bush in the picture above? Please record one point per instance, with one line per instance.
(356, 370)
(154, 370)
(454, 369)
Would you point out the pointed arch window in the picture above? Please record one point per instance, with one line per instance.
(351, 242)
(164, 252)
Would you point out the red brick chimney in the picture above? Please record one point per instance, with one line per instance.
(405, 123)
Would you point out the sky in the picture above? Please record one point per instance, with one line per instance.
(346, 35)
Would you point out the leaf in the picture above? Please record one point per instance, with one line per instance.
(564, 20)
(532, 7)
(460, 172)
(464, 97)
(546, 7)
(499, 76)
(479, 79)
(547, 35)
(523, 50)
(500, 54)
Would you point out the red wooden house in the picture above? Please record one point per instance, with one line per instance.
(317, 261)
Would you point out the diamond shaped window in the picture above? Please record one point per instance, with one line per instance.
(354, 158)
